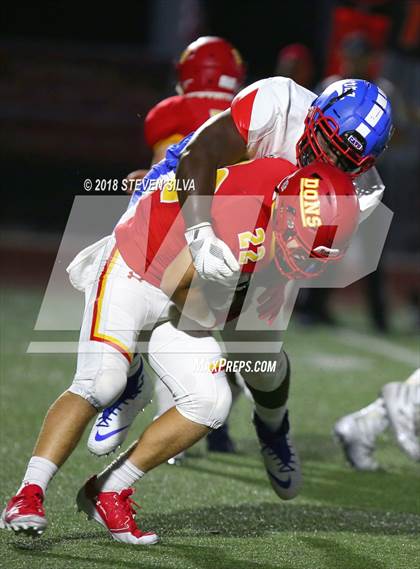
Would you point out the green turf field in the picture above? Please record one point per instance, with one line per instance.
(217, 511)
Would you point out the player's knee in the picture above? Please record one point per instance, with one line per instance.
(222, 406)
(109, 385)
(273, 373)
(208, 406)
(283, 366)
(277, 369)
(103, 390)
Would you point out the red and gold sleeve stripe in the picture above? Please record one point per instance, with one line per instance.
(95, 335)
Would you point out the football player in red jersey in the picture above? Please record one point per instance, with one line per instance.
(136, 279)
(348, 125)
(209, 73)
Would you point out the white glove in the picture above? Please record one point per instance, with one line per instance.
(212, 258)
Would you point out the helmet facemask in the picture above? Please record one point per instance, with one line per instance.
(321, 141)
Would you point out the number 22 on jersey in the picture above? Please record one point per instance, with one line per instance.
(248, 238)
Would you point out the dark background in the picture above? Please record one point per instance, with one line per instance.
(78, 78)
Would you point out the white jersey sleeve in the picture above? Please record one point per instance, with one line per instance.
(270, 116)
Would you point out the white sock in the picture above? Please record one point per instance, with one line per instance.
(272, 418)
(39, 471)
(117, 476)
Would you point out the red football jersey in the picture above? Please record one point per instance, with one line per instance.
(153, 236)
(175, 117)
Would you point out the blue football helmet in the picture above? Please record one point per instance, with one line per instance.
(348, 125)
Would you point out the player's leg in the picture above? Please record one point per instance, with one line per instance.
(63, 426)
(62, 429)
(402, 403)
(398, 407)
(267, 376)
(219, 440)
(100, 378)
(357, 433)
(202, 401)
(270, 392)
(165, 401)
(163, 398)
(112, 425)
(106, 498)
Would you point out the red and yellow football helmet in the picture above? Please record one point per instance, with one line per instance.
(210, 64)
(316, 213)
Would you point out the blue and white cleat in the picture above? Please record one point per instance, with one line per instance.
(111, 428)
(356, 434)
(280, 458)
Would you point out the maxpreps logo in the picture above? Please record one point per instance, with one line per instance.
(310, 206)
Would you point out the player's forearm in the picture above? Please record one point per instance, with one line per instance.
(202, 170)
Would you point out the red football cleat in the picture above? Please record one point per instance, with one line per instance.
(115, 512)
(25, 513)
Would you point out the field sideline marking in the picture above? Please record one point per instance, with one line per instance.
(377, 346)
(334, 363)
